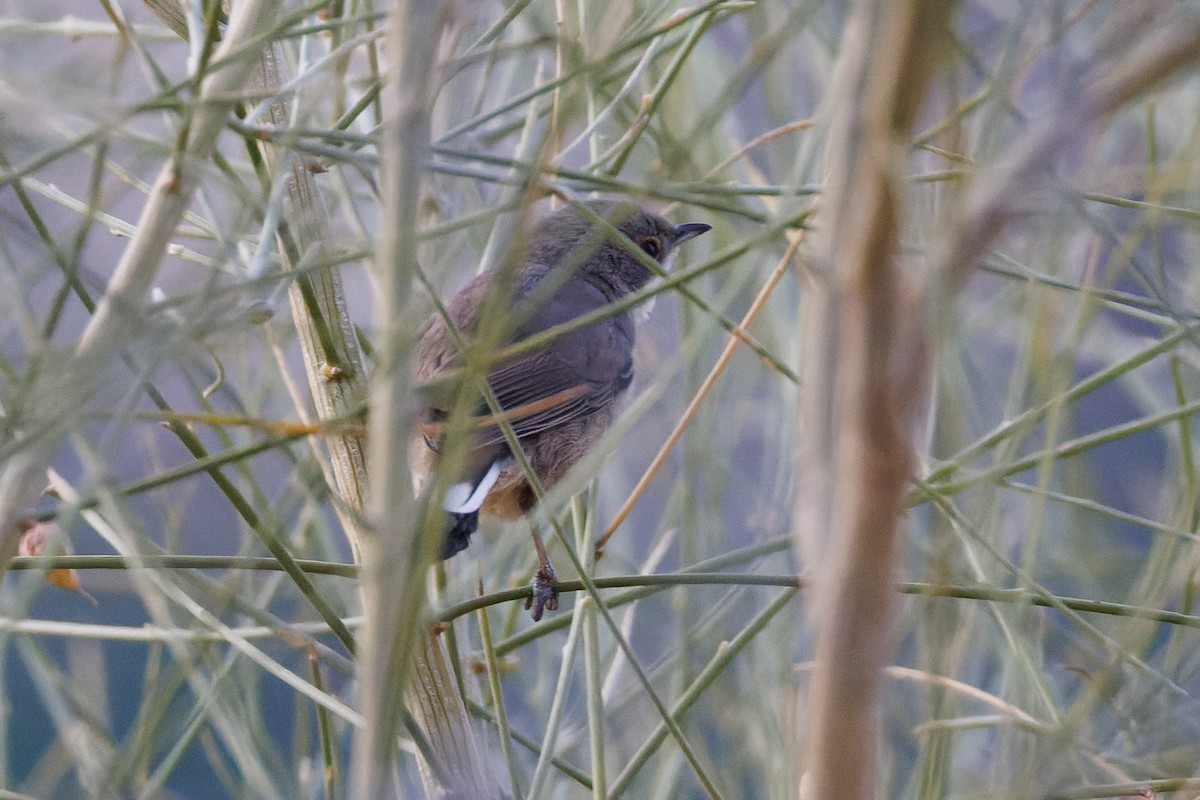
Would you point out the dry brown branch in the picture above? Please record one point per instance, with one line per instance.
(866, 366)
(861, 383)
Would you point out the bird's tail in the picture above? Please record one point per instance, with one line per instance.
(459, 528)
(462, 503)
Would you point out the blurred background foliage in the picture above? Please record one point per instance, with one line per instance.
(1048, 644)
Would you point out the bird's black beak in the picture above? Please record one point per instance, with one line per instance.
(689, 230)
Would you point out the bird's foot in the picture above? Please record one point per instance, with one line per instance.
(545, 592)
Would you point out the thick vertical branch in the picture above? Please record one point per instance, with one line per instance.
(332, 360)
(396, 645)
(866, 366)
(392, 588)
(864, 374)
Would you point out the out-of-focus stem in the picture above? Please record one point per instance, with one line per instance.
(401, 662)
(863, 375)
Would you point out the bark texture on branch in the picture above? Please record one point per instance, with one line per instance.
(405, 666)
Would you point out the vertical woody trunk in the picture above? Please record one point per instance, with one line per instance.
(864, 372)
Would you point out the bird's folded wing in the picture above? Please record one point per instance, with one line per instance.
(569, 381)
(571, 377)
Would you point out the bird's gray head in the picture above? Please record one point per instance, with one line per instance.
(572, 240)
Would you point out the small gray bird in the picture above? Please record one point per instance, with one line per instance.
(559, 399)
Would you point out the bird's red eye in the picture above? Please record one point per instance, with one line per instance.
(651, 246)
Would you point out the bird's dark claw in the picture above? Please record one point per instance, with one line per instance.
(545, 592)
